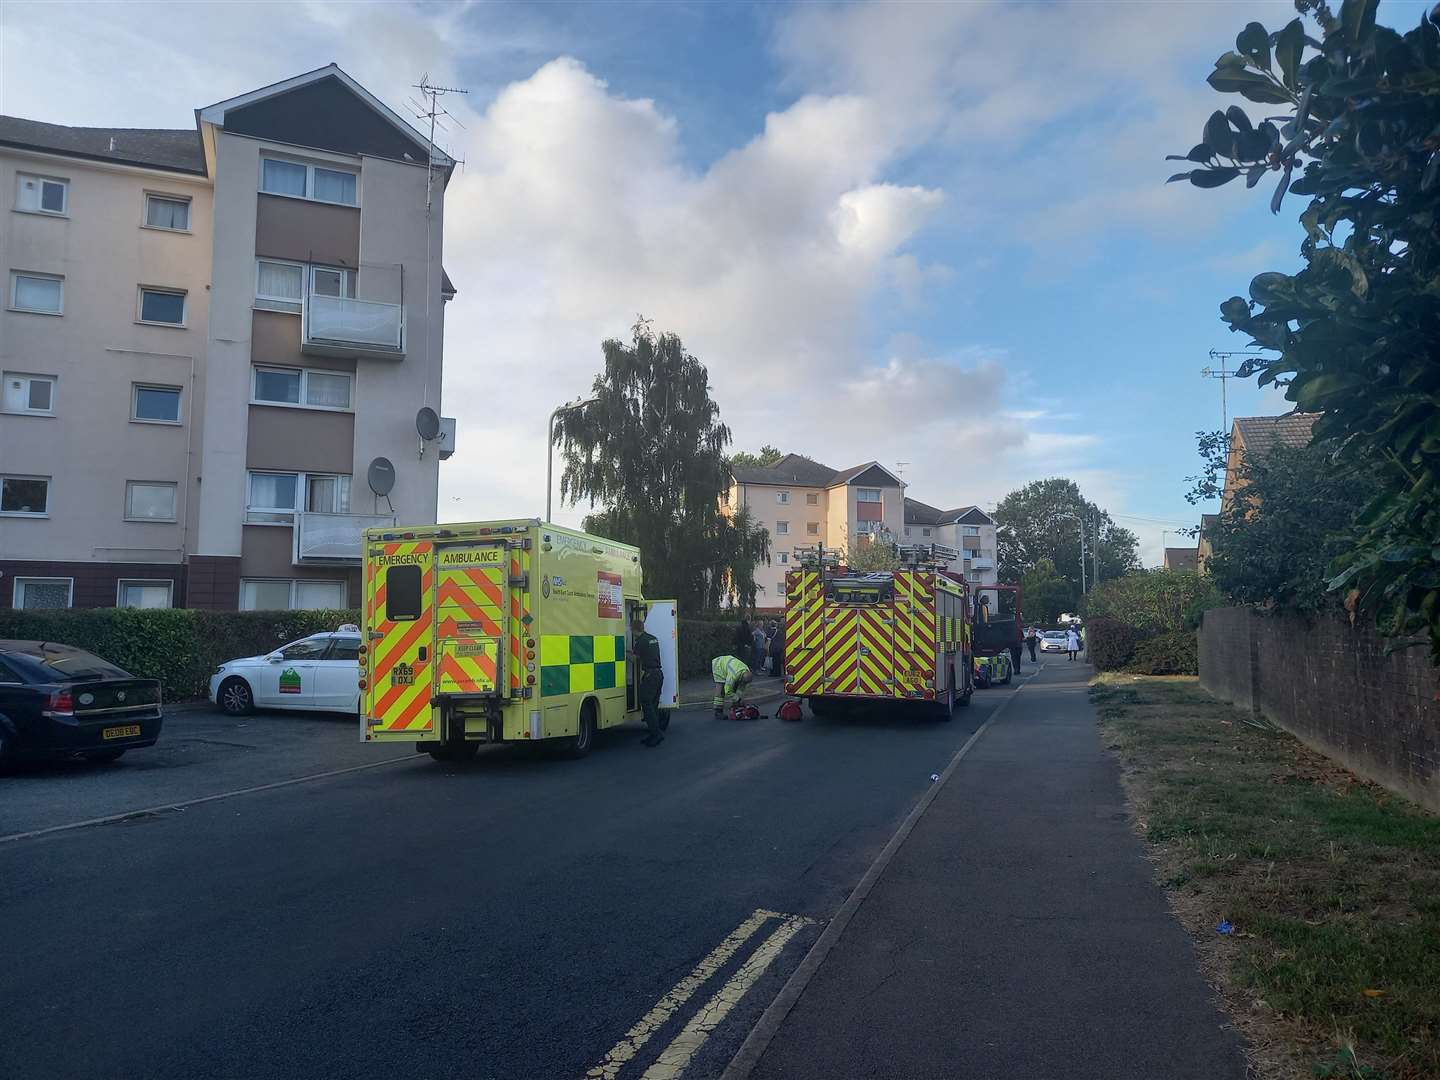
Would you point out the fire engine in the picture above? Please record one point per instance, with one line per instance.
(898, 636)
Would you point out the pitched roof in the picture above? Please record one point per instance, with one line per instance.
(1177, 558)
(790, 469)
(172, 149)
(1206, 520)
(919, 513)
(1260, 433)
(845, 476)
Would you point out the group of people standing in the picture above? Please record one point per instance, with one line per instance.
(761, 646)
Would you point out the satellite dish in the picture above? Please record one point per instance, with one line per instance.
(380, 476)
(427, 423)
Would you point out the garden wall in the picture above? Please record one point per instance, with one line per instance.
(1332, 685)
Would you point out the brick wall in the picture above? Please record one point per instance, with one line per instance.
(1332, 686)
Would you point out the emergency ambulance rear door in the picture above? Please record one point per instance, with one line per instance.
(400, 631)
(663, 620)
(471, 621)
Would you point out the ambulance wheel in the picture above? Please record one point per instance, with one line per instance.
(579, 744)
(235, 697)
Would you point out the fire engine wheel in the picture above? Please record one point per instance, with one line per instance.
(579, 744)
(235, 697)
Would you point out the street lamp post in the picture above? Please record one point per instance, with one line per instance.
(550, 446)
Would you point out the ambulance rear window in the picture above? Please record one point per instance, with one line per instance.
(402, 593)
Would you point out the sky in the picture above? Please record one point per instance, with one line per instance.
(932, 234)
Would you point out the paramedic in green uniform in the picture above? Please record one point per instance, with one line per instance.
(647, 653)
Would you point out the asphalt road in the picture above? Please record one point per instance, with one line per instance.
(512, 917)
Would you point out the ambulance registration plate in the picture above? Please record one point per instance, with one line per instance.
(124, 731)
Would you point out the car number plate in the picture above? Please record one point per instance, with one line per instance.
(124, 731)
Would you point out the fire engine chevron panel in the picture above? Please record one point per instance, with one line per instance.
(503, 631)
(901, 635)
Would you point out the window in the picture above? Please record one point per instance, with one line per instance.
(260, 594)
(867, 495)
(783, 498)
(34, 394)
(344, 648)
(145, 594)
(167, 212)
(36, 593)
(869, 526)
(972, 553)
(330, 281)
(149, 501)
(907, 530)
(302, 386)
(272, 499)
(812, 528)
(327, 494)
(162, 306)
(924, 532)
(784, 558)
(279, 286)
(155, 404)
(300, 181)
(812, 498)
(25, 495)
(970, 530)
(41, 194)
(40, 293)
(309, 649)
(402, 593)
(782, 528)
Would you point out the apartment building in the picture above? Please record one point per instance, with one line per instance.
(802, 503)
(213, 341)
(967, 529)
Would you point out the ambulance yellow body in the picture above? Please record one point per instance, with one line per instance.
(503, 631)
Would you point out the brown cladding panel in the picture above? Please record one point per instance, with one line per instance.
(275, 339)
(300, 440)
(96, 583)
(304, 231)
(213, 582)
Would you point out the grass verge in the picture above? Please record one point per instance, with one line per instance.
(1331, 884)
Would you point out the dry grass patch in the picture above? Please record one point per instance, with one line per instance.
(1332, 884)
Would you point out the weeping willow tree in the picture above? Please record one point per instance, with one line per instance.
(650, 453)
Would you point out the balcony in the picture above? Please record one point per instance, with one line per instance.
(981, 563)
(350, 314)
(333, 539)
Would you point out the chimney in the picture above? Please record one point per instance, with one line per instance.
(112, 144)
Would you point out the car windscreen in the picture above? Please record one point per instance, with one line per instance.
(61, 663)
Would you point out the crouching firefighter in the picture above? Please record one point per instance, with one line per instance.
(731, 675)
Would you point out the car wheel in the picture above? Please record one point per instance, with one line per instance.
(235, 697)
(104, 757)
(579, 744)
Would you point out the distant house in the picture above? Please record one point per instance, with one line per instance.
(1257, 435)
(967, 529)
(1205, 543)
(1181, 558)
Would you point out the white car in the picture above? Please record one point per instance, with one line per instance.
(320, 673)
(1054, 641)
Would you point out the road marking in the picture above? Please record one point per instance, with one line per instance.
(765, 1029)
(680, 993)
(676, 1057)
(112, 818)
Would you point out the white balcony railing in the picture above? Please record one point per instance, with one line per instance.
(336, 322)
(333, 538)
(980, 563)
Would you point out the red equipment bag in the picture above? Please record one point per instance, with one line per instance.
(744, 712)
(789, 711)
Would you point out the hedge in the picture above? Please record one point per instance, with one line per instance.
(182, 647)
(1110, 642)
(1175, 653)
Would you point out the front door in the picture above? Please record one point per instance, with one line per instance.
(337, 675)
(472, 584)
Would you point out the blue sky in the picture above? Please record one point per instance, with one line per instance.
(929, 233)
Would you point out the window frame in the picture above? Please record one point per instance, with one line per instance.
(16, 275)
(309, 167)
(178, 391)
(305, 373)
(812, 528)
(165, 196)
(861, 493)
(349, 280)
(162, 290)
(63, 181)
(782, 498)
(174, 487)
(782, 528)
(292, 587)
(302, 496)
(24, 579)
(263, 301)
(49, 481)
(812, 498)
(169, 584)
(29, 377)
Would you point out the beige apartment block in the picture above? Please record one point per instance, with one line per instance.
(209, 336)
(968, 530)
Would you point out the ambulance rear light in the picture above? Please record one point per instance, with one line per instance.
(529, 654)
(364, 683)
(530, 643)
(529, 680)
(364, 651)
(407, 536)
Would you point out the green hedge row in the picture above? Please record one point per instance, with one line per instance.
(183, 647)
(1115, 645)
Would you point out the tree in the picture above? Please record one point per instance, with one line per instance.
(1355, 334)
(651, 453)
(880, 553)
(1155, 601)
(1045, 594)
(1042, 521)
(768, 456)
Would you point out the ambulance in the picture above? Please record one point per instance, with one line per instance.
(503, 632)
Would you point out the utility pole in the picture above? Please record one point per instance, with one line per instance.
(1095, 545)
(1081, 522)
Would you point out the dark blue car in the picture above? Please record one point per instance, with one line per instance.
(59, 701)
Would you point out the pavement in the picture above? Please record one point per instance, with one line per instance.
(1017, 932)
(271, 898)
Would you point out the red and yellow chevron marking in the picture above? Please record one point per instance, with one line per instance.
(876, 652)
(399, 686)
(463, 672)
(841, 648)
(804, 631)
